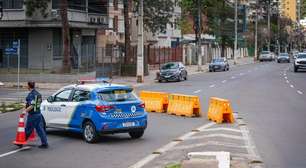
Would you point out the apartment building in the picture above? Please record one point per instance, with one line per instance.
(41, 37)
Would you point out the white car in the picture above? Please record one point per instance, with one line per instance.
(300, 62)
(265, 56)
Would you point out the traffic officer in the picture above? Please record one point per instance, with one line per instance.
(35, 119)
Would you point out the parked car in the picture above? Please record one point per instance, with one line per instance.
(265, 56)
(218, 64)
(283, 57)
(172, 71)
(299, 62)
(95, 109)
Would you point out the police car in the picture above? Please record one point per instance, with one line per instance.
(94, 109)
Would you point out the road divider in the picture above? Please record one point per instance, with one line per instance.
(220, 110)
(155, 101)
(184, 105)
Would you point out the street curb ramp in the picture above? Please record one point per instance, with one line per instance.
(184, 105)
(155, 101)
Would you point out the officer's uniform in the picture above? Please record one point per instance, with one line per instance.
(35, 119)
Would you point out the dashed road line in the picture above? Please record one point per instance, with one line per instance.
(241, 74)
(233, 77)
(211, 86)
(287, 81)
(299, 92)
(197, 91)
(291, 86)
(286, 77)
(14, 151)
(224, 81)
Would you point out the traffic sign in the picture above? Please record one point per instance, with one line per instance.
(10, 51)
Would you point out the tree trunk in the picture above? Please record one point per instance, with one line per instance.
(127, 45)
(222, 30)
(66, 66)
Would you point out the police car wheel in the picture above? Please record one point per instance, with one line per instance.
(90, 134)
(136, 134)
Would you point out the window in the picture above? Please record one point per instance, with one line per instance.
(72, 4)
(63, 96)
(117, 96)
(12, 4)
(80, 95)
(57, 45)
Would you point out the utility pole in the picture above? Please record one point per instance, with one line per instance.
(299, 24)
(236, 31)
(278, 29)
(269, 24)
(256, 33)
(199, 31)
(140, 50)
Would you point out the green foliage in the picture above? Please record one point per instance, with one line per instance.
(157, 14)
(33, 5)
(303, 9)
(185, 26)
(220, 17)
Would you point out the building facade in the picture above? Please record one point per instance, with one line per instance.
(41, 37)
(288, 8)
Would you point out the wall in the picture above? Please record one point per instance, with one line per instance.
(40, 49)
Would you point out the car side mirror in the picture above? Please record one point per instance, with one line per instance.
(50, 99)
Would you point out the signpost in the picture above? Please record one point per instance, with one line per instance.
(14, 50)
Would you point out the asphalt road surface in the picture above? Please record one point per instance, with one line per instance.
(269, 96)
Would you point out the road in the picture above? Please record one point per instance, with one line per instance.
(270, 97)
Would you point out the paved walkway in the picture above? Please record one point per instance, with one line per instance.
(55, 81)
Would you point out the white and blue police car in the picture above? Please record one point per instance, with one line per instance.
(95, 109)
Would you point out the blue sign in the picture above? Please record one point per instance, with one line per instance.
(15, 44)
(10, 51)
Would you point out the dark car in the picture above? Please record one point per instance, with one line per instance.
(172, 71)
(283, 57)
(220, 64)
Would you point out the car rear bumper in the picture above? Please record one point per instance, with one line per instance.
(120, 125)
(216, 67)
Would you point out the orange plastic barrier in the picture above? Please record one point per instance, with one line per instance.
(220, 110)
(155, 101)
(184, 105)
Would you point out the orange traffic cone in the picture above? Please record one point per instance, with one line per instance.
(20, 135)
(32, 137)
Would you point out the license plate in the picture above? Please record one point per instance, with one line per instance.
(128, 124)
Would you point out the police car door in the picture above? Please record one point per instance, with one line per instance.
(56, 111)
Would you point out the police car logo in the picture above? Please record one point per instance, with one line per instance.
(133, 109)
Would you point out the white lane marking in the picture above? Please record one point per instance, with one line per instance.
(197, 91)
(222, 129)
(223, 81)
(251, 148)
(300, 92)
(285, 77)
(184, 147)
(291, 86)
(14, 151)
(287, 81)
(167, 147)
(233, 77)
(211, 86)
(241, 74)
(249, 71)
(217, 135)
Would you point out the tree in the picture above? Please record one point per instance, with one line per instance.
(33, 5)
(157, 14)
(66, 66)
(220, 16)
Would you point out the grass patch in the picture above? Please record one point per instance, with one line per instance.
(8, 107)
(174, 165)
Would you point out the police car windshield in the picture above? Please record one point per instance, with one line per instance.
(117, 96)
(301, 56)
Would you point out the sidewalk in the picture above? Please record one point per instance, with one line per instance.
(55, 81)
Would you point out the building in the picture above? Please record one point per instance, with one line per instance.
(288, 8)
(41, 39)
